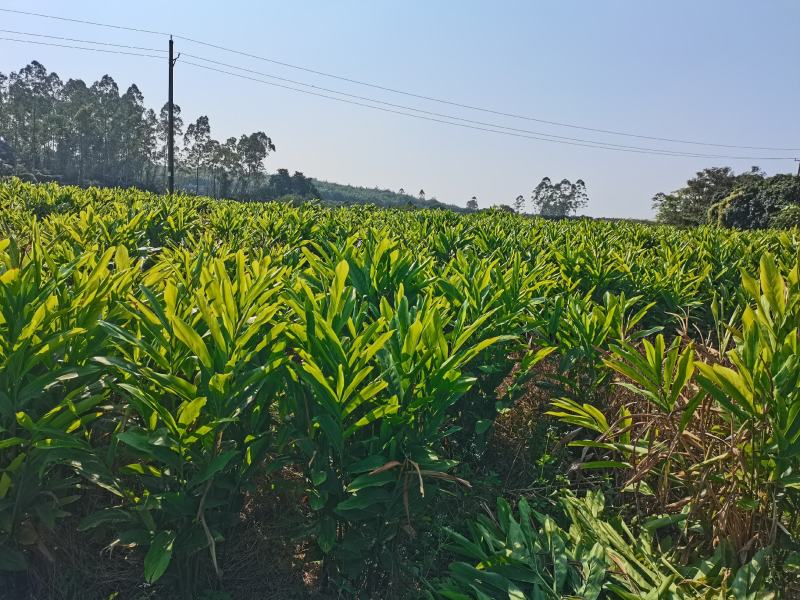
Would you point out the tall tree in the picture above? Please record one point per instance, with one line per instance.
(560, 199)
(472, 203)
(3, 102)
(106, 93)
(282, 185)
(519, 203)
(149, 134)
(253, 150)
(229, 166)
(32, 92)
(134, 136)
(92, 134)
(79, 138)
(757, 201)
(196, 146)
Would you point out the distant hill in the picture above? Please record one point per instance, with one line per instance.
(337, 193)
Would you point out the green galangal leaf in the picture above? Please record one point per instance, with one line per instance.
(594, 572)
(326, 534)
(364, 499)
(217, 464)
(103, 517)
(481, 425)
(371, 480)
(772, 285)
(190, 411)
(158, 556)
(191, 339)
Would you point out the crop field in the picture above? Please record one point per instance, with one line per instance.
(214, 399)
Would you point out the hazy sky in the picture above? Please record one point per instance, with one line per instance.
(717, 71)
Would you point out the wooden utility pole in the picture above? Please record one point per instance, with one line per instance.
(171, 126)
(797, 160)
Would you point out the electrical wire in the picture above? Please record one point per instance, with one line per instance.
(403, 92)
(67, 39)
(81, 21)
(598, 145)
(6, 39)
(487, 127)
(471, 121)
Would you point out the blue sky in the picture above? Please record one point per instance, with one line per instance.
(720, 71)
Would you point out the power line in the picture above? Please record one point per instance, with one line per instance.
(477, 108)
(374, 100)
(67, 39)
(599, 145)
(403, 92)
(478, 126)
(81, 21)
(7, 39)
(472, 121)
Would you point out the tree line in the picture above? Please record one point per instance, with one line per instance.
(95, 134)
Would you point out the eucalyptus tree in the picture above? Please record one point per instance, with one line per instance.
(163, 131)
(196, 147)
(253, 150)
(32, 92)
(92, 133)
(559, 199)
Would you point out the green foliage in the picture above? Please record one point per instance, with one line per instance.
(758, 202)
(749, 200)
(371, 398)
(195, 365)
(660, 375)
(580, 329)
(50, 392)
(760, 390)
(166, 361)
(281, 185)
(788, 217)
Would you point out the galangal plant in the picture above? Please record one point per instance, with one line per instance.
(370, 402)
(197, 365)
(512, 290)
(582, 330)
(50, 392)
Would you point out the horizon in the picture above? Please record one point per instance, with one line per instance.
(732, 70)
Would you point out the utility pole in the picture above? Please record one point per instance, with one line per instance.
(797, 160)
(171, 125)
